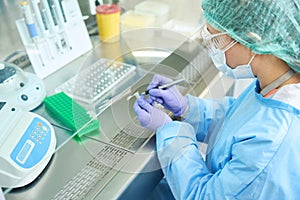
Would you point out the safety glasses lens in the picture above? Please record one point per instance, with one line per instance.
(214, 41)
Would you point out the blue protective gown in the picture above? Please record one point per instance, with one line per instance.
(253, 149)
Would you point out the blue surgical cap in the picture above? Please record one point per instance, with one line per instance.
(264, 26)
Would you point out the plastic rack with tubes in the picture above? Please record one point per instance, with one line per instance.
(51, 31)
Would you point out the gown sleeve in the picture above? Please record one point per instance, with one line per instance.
(206, 114)
(237, 167)
(188, 175)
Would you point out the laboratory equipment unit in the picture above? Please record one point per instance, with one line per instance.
(27, 142)
(19, 88)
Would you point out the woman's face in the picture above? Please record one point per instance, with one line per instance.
(237, 54)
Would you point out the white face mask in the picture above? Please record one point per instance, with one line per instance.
(240, 72)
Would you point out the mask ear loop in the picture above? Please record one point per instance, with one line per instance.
(251, 59)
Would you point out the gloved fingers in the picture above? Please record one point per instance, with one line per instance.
(137, 109)
(142, 115)
(158, 93)
(152, 85)
(150, 101)
(158, 80)
(156, 99)
(144, 104)
(165, 95)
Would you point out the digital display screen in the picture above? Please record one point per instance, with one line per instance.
(2, 105)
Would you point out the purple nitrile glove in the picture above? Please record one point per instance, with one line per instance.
(170, 97)
(149, 116)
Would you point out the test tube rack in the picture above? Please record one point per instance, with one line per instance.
(53, 33)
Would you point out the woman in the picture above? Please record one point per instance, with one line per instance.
(253, 141)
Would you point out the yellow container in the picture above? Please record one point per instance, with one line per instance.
(108, 21)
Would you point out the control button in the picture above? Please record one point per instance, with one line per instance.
(24, 97)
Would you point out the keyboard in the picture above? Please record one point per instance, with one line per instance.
(97, 80)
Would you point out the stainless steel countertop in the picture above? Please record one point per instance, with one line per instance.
(135, 170)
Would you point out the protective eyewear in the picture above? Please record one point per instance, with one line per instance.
(213, 42)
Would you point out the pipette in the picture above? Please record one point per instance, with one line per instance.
(176, 82)
(59, 15)
(29, 21)
(51, 26)
(31, 26)
(35, 5)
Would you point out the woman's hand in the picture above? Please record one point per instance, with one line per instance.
(149, 116)
(170, 97)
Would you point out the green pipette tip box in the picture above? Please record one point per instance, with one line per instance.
(70, 114)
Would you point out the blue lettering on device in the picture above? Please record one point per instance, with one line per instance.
(33, 145)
